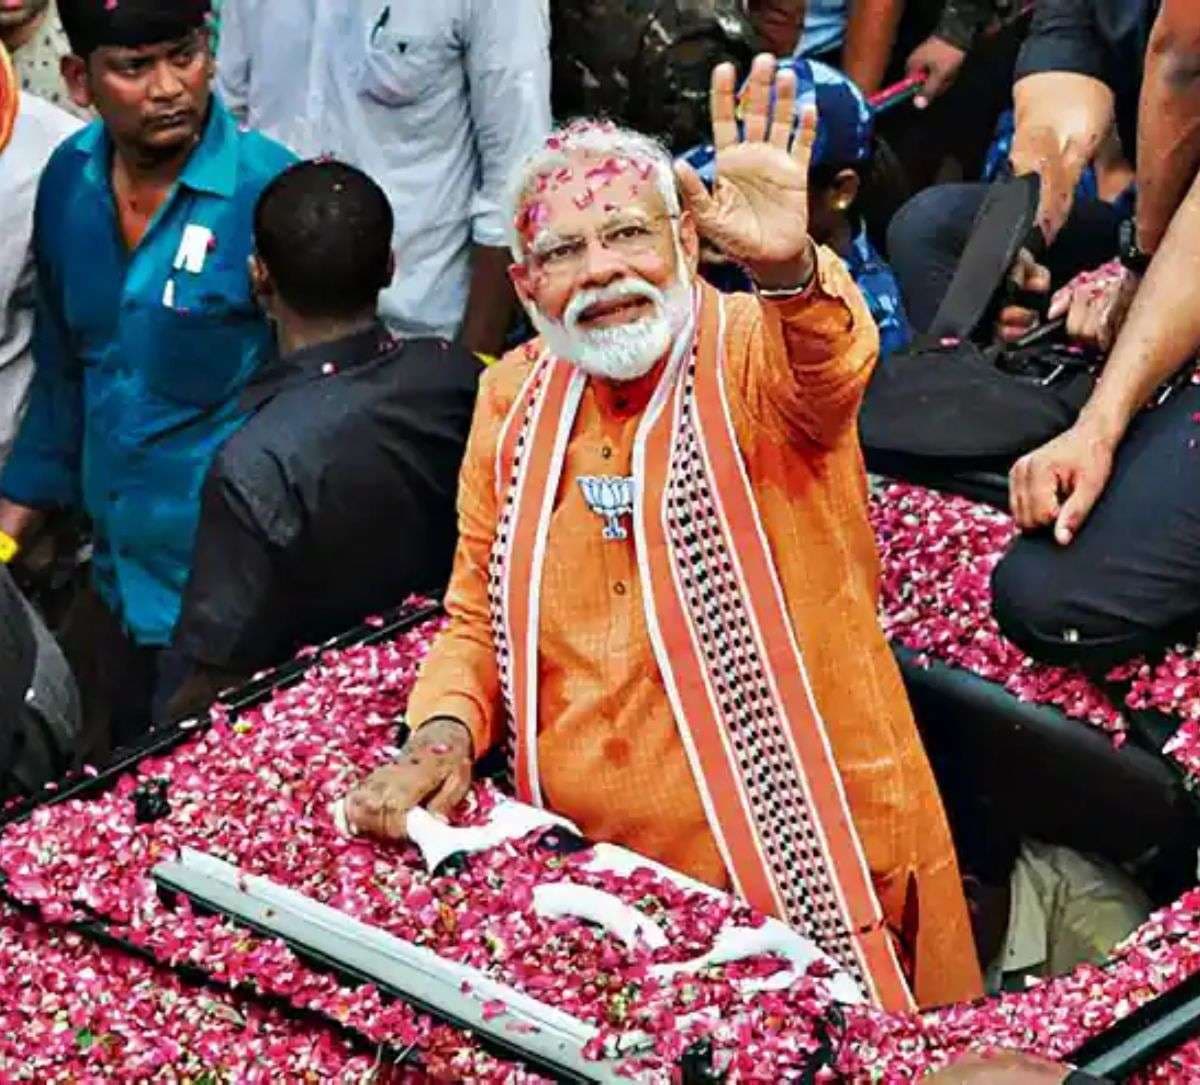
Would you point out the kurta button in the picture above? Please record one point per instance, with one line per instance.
(619, 588)
(606, 452)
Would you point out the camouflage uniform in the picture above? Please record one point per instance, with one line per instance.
(881, 292)
(646, 63)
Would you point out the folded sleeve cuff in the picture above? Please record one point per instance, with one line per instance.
(37, 483)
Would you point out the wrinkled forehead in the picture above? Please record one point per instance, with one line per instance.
(585, 190)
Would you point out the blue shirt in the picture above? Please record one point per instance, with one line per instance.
(824, 28)
(140, 357)
(877, 282)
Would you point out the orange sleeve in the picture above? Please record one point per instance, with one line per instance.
(810, 357)
(459, 677)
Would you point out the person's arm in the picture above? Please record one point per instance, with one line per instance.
(454, 712)
(1168, 120)
(1060, 483)
(1062, 118)
(870, 35)
(1064, 103)
(490, 303)
(460, 678)
(1097, 303)
(233, 613)
(508, 71)
(817, 354)
(233, 59)
(18, 300)
(43, 470)
(779, 23)
(940, 56)
(805, 351)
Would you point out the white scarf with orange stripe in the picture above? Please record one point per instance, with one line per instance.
(722, 638)
(10, 97)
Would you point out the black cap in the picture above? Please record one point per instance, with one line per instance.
(92, 23)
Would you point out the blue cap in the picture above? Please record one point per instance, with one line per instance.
(845, 121)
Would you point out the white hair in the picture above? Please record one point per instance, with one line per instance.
(589, 137)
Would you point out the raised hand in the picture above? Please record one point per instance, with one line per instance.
(757, 213)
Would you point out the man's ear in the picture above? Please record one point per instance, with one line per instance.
(391, 270)
(519, 274)
(261, 284)
(845, 189)
(74, 71)
(689, 241)
(211, 65)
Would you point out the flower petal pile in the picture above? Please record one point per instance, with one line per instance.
(74, 1012)
(938, 552)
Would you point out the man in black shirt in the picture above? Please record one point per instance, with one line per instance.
(1108, 566)
(336, 498)
(1079, 73)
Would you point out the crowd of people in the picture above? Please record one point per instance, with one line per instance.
(565, 311)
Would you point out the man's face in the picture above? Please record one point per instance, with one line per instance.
(608, 272)
(152, 97)
(14, 13)
(779, 23)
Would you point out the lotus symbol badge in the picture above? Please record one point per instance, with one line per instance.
(610, 498)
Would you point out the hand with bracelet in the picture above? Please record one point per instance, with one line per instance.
(433, 770)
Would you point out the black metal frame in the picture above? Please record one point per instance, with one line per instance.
(1153, 1030)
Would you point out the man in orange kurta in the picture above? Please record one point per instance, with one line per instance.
(612, 685)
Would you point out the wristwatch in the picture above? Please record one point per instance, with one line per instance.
(1129, 252)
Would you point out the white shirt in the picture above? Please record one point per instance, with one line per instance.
(40, 127)
(435, 99)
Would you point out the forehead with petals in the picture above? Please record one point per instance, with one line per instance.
(586, 190)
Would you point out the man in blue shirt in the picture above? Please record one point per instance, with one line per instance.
(147, 330)
(841, 162)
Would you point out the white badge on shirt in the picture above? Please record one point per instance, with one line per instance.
(609, 497)
(193, 248)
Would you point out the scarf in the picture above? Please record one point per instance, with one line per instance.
(10, 97)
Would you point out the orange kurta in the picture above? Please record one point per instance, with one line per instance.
(609, 751)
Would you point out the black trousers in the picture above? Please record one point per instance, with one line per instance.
(124, 687)
(928, 234)
(1130, 582)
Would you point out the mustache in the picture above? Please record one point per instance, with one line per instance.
(619, 291)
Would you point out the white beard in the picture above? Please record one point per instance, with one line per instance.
(623, 352)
